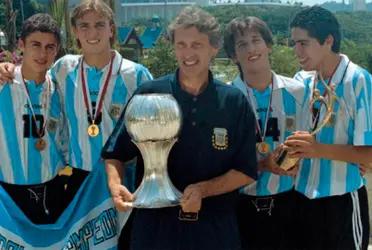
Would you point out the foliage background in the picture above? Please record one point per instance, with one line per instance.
(356, 30)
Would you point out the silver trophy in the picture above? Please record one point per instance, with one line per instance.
(153, 121)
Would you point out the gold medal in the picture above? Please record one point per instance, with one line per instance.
(40, 144)
(93, 130)
(263, 148)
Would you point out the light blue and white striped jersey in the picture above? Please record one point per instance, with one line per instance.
(20, 162)
(285, 118)
(352, 125)
(84, 151)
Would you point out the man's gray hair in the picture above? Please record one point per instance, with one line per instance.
(205, 23)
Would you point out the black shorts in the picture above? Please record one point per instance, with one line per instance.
(162, 229)
(44, 203)
(266, 222)
(335, 222)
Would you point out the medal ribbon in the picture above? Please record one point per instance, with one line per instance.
(258, 127)
(101, 95)
(45, 97)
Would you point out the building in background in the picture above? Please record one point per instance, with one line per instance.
(129, 43)
(165, 9)
(359, 5)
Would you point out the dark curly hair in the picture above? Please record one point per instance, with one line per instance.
(43, 23)
(319, 23)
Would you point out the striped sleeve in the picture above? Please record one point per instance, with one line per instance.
(143, 75)
(62, 135)
(362, 84)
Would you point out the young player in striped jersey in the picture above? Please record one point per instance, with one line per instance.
(32, 124)
(266, 206)
(96, 85)
(333, 210)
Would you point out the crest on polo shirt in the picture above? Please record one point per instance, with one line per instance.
(114, 111)
(220, 139)
(52, 124)
(290, 123)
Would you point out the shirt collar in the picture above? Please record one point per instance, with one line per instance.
(177, 87)
(278, 83)
(340, 71)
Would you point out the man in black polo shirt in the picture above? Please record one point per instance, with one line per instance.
(208, 173)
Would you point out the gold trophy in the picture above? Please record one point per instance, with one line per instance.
(327, 100)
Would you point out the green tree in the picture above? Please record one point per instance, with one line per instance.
(161, 59)
(58, 9)
(283, 60)
(12, 15)
(224, 70)
(360, 54)
(10, 30)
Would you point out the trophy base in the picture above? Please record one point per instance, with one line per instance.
(156, 193)
(285, 162)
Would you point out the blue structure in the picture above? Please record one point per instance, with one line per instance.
(130, 43)
(150, 36)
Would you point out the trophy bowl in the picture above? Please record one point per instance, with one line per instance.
(153, 121)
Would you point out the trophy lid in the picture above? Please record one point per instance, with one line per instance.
(153, 117)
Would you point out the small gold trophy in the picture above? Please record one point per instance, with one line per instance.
(327, 100)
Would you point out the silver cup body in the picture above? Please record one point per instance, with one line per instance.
(153, 121)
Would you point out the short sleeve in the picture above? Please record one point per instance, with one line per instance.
(119, 146)
(362, 84)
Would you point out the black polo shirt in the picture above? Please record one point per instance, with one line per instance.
(196, 157)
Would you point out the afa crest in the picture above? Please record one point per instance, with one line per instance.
(290, 123)
(220, 139)
(115, 111)
(52, 125)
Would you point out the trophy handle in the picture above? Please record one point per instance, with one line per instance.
(329, 110)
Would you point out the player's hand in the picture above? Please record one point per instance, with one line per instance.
(364, 168)
(121, 197)
(302, 145)
(191, 200)
(269, 164)
(6, 72)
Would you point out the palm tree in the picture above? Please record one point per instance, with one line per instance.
(10, 30)
(58, 9)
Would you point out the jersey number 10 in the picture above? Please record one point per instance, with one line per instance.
(33, 127)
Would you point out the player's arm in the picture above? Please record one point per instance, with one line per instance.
(193, 194)
(120, 195)
(118, 150)
(304, 145)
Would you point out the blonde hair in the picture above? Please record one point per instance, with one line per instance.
(98, 6)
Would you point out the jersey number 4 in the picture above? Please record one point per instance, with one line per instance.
(272, 129)
(33, 127)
